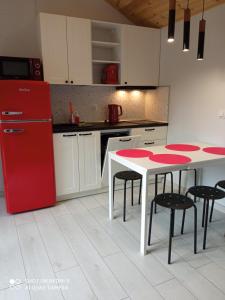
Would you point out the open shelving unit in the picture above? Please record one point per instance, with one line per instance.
(106, 48)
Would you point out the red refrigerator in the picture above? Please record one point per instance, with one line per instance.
(26, 145)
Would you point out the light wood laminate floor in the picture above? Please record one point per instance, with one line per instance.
(72, 251)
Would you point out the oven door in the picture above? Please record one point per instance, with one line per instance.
(15, 68)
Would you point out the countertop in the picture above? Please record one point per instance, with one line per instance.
(92, 126)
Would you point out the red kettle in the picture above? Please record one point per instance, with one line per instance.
(115, 111)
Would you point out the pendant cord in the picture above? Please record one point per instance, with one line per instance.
(187, 3)
(203, 9)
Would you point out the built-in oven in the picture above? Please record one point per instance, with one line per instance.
(106, 135)
(112, 140)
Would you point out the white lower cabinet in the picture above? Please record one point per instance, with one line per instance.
(66, 163)
(77, 162)
(89, 160)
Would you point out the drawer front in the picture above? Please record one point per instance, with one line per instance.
(151, 133)
(150, 143)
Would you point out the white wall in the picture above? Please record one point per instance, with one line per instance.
(18, 21)
(197, 87)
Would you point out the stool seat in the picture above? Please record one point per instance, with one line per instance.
(221, 184)
(207, 192)
(174, 201)
(128, 175)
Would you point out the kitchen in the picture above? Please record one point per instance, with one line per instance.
(183, 98)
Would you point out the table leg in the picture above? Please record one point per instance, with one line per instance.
(143, 242)
(110, 175)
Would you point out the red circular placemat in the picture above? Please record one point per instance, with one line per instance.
(134, 153)
(170, 159)
(215, 150)
(182, 147)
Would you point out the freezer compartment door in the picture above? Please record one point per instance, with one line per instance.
(28, 165)
(24, 100)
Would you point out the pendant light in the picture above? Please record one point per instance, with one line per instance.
(187, 25)
(172, 20)
(201, 37)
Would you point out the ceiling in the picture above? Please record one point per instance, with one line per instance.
(154, 13)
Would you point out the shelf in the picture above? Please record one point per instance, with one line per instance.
(99, 61)
(105, 44)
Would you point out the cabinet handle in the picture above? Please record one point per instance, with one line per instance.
(127, 140)
(71, 81)
(84, 134)
(149, 143)
(69, 135)
(149, 129)
(125, 82)
(66, 81)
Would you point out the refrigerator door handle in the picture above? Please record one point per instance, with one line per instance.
(12, 113)
(13, 130)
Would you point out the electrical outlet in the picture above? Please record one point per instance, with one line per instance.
(221, 114)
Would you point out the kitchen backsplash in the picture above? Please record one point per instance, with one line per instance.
(91, 103)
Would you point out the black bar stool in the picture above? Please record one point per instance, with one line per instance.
(180, 176)
(174, 201)
(164, 184)
(207, 193)
(220, 184)
(127, 176)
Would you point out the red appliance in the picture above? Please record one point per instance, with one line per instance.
(110, 74)
(20, 68)
(115, 111)
(26, 145)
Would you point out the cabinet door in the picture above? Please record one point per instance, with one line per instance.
(66, 163)
(140, 55)
(79, 51)
(54, 48)
(89, 160)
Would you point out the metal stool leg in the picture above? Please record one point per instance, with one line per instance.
(211, 212)
(170, 234)
(195, 182)
(114, 179)
(164, 184)
(171, 174)
(183, 220)
(124, 201)
(206, 223)
(156, 190)
(132, 192)
(203, 213)
(195, 229)
(139, 199)
(150, 223)
(179, 186)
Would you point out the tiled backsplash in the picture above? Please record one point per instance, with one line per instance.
(91, 103)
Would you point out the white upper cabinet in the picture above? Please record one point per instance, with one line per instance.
(66, 49)
(54, 47)
(89, 160)
(140, 55)
(79, 51)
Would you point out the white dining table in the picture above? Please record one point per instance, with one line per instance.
(146, 167)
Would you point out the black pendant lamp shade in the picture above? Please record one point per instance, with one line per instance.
(201, 36)
(201, 39)
(172, 20)
(187, 25)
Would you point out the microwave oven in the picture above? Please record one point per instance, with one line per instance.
(20, 68)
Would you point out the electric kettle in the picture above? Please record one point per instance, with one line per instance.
(114, 112)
